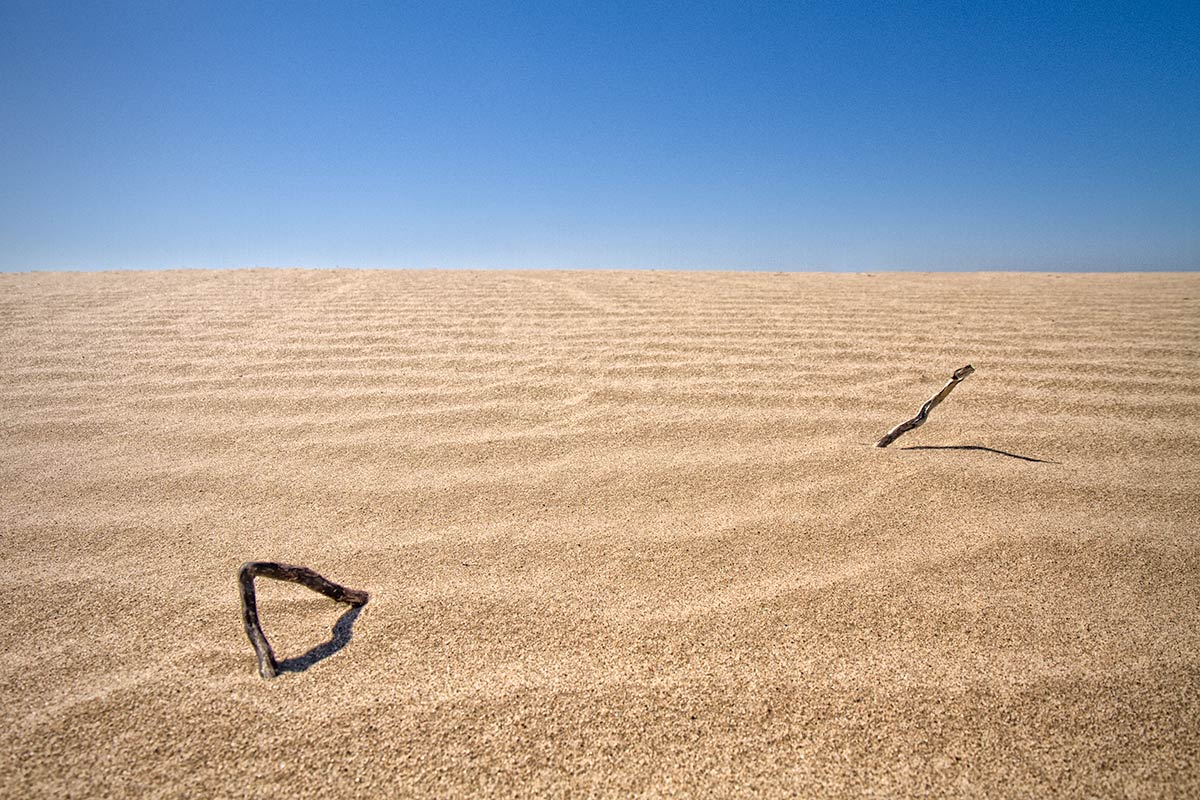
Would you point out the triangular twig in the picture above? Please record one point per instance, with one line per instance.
(267, 666)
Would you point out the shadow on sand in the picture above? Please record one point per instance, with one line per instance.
(978, 447)
(342, 631)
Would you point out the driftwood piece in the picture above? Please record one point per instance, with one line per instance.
(904, 427)
(268, 667)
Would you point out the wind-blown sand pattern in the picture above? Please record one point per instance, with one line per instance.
(623, 533)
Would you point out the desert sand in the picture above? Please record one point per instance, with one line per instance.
(624, 534)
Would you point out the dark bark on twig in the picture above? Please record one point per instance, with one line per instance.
(895, 433)
(268, 667)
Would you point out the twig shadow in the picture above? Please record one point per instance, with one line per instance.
(342, 632)
(980, 448)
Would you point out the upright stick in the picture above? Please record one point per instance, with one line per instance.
(904, 427)
(267, 666)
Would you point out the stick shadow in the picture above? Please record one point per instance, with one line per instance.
(980, 448)
(342, 633)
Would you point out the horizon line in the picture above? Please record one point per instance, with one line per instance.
(779, 270)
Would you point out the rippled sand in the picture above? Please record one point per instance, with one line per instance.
(623, 533)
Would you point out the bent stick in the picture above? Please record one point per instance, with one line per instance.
(904, 427)
(267, 666)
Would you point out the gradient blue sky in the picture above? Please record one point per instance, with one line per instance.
(848, 136)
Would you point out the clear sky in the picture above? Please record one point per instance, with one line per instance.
(840, 136)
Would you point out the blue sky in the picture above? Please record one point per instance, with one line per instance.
(852, 136)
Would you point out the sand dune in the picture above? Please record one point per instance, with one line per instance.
(624, 533)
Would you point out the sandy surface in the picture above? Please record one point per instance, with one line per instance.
(624, 533)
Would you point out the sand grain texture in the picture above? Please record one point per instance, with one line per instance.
(624, 533)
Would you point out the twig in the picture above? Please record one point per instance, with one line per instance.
(904, 427)
(267, 666)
